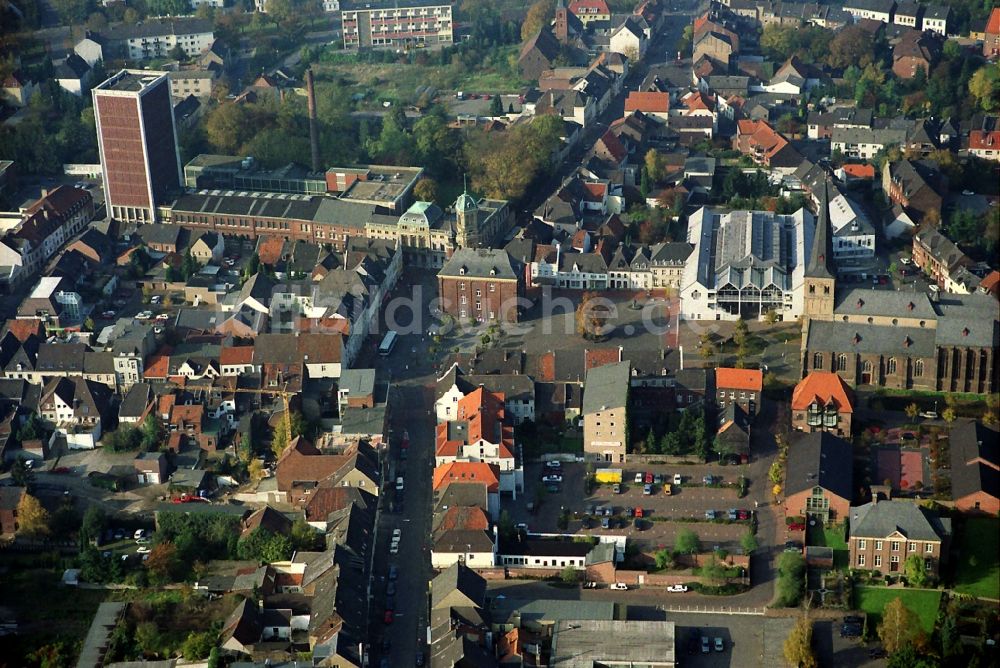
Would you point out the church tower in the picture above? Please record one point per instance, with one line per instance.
(466, 221)
(560, 27)
(819, 277)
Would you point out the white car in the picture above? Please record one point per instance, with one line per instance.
(638, 478)
(163, 316)
(394, 548)
(139, 533)
(677, 478)
(142, 550)
(552, 478)
(399, 484)
(619, 586)
(677, 589)
(553, 465)
(155, 299)
(397, 535)
(144, 315)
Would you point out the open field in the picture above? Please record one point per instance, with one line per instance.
(980, 541)
(923, 602)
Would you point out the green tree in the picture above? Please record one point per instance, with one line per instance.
(227, 127)
(949, 415)
(94, 523)
(72, 11)
(496, 106)
(713, 570)
(791, 579)
(21, 474)
(912, 410)
(900, 626)
(569, 575)
(266, 546)
(654, 164)
(687, 542)
(798, 649)
(664, 559)
(163, 562)
(304, 537)
(985, 86)
(198, 645)
(147, 637)
(426, 190)
(748, 542)
(916, 573)
(65, 521)
(32, 518)
(152, 433)
(31, 429)
(505, 527)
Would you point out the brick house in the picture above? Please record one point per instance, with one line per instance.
(916, 185)
(991, 45)
(916, 51)
(822, 401)
(937, 255)
(975, 468)
(885, 533)
(10, 497)
(605, 412)
(483, 285)
(190, 421)
(743, 386)
(818, 477)
(151, 468)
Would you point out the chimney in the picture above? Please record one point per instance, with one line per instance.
(313, 125)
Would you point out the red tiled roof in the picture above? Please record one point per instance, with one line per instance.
(595, 192)
(187, 414)
(326, 500)
(546, 367)
(158, 364)
(739, 379)
(614, 146)
(860, 171)
(993, 25)
(487, 474)
(647, 102)
(464, 518)
(600, 357)
(823, 387)
(269, 249)
(595, 7)
(231, 355)
(22, 329)
(985, 141)
(991, 284)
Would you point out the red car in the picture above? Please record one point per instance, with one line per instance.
(387, 618)
(649, 478)
(743, 514)
(638, 512)
(796, 527)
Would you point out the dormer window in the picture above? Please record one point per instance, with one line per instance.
(493, 271)
(461, 271)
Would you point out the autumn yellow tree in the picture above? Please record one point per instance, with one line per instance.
(32, 518)
(899, 628)
(539, 15)
(798, 648)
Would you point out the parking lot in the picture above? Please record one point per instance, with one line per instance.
(687, 504)
(747, 640)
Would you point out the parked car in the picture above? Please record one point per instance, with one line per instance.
(617, 489)
(638, 478)
(793, 546)
(719, 645)
(397, 534)
(677, 478)
(605, 523)
(555, 478)
(521, 526)
(796, 526)
(399, 484)
(107, 315)
(850, 631)
(677, 589)
(929, 415)
(393, 572)
(732, 514)
(553, 465)
(709, 514)
(649, 478)
(609, 511)
(709, 480)
(619, 586)
(142, 550)
(742, 514)
(705, 647)
(142, 541)
(647, 489)
(667, 489)
(139, 533)
(387, 617)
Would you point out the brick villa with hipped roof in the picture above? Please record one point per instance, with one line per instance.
(822, 401)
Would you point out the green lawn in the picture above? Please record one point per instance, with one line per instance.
(980, 539)
(923, 602)
(832, 537)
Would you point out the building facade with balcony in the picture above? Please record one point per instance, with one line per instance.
(395, 26)
(822, 401)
